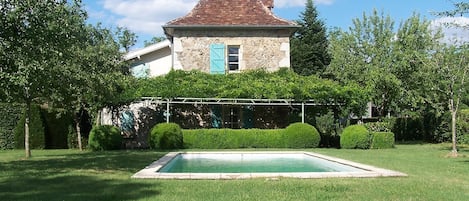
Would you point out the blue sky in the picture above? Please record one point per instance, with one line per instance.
(145, 17)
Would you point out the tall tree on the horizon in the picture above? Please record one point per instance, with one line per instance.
(309, 44)
(154, 40)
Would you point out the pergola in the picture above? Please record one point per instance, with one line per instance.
(235, 101)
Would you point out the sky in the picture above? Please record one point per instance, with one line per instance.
(145, 17)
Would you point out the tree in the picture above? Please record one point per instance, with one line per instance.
(413, 42)
(452, 65)
(309, 44)
(93, 77)
(126, 38)
(460, 9)
(35, 38)
(154, 40)
(373, 55)
(364, 54)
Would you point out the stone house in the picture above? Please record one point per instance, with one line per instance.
(217, 37)
(220, 36)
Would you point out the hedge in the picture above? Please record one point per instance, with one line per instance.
(233, 138)
(11, 114)
(382, 140)
(105, 137)
(301, 135)
(355, 137)
(56, 127)
(166, 136)
(464, 139)
(36, 130)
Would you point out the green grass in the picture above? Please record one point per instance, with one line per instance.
(73, 175)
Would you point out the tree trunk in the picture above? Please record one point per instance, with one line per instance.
(98, 118)
(454, 151)
(26, 129)
(77, 126)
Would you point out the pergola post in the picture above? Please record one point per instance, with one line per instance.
(302, 112)
(167, 110)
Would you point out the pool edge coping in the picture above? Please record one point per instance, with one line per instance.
(150, 172)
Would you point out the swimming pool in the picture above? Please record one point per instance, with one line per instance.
(244, 165)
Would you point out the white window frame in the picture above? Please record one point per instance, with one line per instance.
(228, 55)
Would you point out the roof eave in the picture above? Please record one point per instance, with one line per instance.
(147, 50)
(169, 29)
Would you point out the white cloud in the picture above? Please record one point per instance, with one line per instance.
(147, 16)
(296, 3)
(455, 29)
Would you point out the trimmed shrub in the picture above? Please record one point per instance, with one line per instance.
(378, 126)
(36, 130)
(166, 136)
(355, 137)
(11, 114)
(233, 138)
(382, 140)
(105, 137)
(301, 135)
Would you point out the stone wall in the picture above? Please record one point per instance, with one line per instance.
(259, 49)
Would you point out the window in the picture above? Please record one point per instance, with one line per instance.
(233, 58)
(224, 58)
(231, 117)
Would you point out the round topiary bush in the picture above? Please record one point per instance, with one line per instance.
(301, 135)
(355, 137)
(166, 136)
(105, 137)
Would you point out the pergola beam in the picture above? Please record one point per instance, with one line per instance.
(236, 101)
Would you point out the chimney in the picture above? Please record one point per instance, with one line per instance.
(268, 3)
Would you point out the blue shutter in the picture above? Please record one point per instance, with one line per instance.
(216, 116)
(217, 59)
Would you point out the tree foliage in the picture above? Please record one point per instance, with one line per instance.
(49, 55)
(283, 84)
(460, 9)
(451, 68)
(35, 38)
(384, 61)
(126, 38)
(154, 40)
(309, 44)
(93, 77)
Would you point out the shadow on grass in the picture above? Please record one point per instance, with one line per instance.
(75, 188)
(78, 176)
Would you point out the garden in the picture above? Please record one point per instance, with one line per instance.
(56, 83)
(76, 175)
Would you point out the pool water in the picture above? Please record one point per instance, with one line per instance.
(252, 163)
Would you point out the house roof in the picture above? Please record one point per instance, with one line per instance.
(146, 50)
(233, 13)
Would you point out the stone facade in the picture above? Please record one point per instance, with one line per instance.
(259, 49)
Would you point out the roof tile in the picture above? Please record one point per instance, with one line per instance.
(232, 12)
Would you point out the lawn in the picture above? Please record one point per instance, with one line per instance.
(73, 175)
